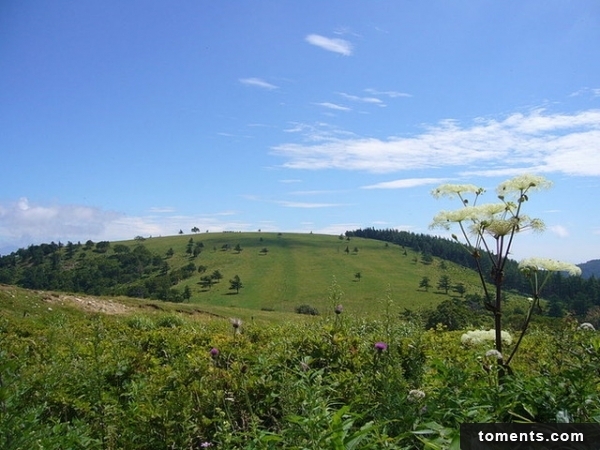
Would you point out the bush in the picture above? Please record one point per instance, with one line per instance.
(307, 309)
(169, 321)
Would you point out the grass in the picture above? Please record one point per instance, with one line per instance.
(299, 269)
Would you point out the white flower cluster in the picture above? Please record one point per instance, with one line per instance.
(493, 354)
(550, 265)
(477, 337)
(415, 395)
(455, 190)
(586, 326)
(523, 183)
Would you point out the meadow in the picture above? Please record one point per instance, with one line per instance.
(156, 375)
(298, 269)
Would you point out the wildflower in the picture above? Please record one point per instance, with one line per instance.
(236, 324)
(415, 395)
(380, 346)
(338, 309)
(550, 265)
(477, 337)
(206, 445)
(586, 326)
(563, 416)
(523, 183)
(214, 352)
(493, 354)
(456, 190)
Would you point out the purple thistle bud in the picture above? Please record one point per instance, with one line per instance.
(214, 352)
(380, 346)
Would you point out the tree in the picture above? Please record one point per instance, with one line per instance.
(358, 276)
(216, 275)
(207, 282)
(170, 252)
(195, 230)
(238, 248)
(444, 283)
(488, 232)
(425, 284)
(459, 288)
(426, 258)
(235, 284)
(264, 251)
(451, 313)
(187, 292)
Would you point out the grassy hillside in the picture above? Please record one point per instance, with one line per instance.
(300, 269)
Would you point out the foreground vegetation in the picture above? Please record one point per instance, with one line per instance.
(166, 380)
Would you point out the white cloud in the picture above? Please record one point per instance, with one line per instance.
(333, 106)
(559, 230)
(23, 223)
(161, 210)
(371, 100)
(307, 205)
(258, 82)
(405, 183)
(593, 92)
(541, 142)
(391, 94)
(333, 45)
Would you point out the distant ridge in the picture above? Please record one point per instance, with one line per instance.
(590, 269)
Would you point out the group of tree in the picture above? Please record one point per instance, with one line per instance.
(575, 295)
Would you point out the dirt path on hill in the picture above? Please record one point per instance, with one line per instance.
(89, 304)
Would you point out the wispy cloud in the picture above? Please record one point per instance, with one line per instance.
(334, 106)
(258, 82)
(288, 204)
(405, 183)
(391, 94)
(161, 209)
(330, 44)
(356, 98)
(593, 92)
(537, 141)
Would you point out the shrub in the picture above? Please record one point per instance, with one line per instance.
(307, 309)
(169, 321)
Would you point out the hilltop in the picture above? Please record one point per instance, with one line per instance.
(278, 271)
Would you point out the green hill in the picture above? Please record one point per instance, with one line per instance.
(279, 271)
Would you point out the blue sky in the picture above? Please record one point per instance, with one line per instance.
(120, 119)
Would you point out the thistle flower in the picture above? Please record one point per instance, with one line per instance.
(380, 346)
(415, 395)
(550, 265)
(214, 352)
